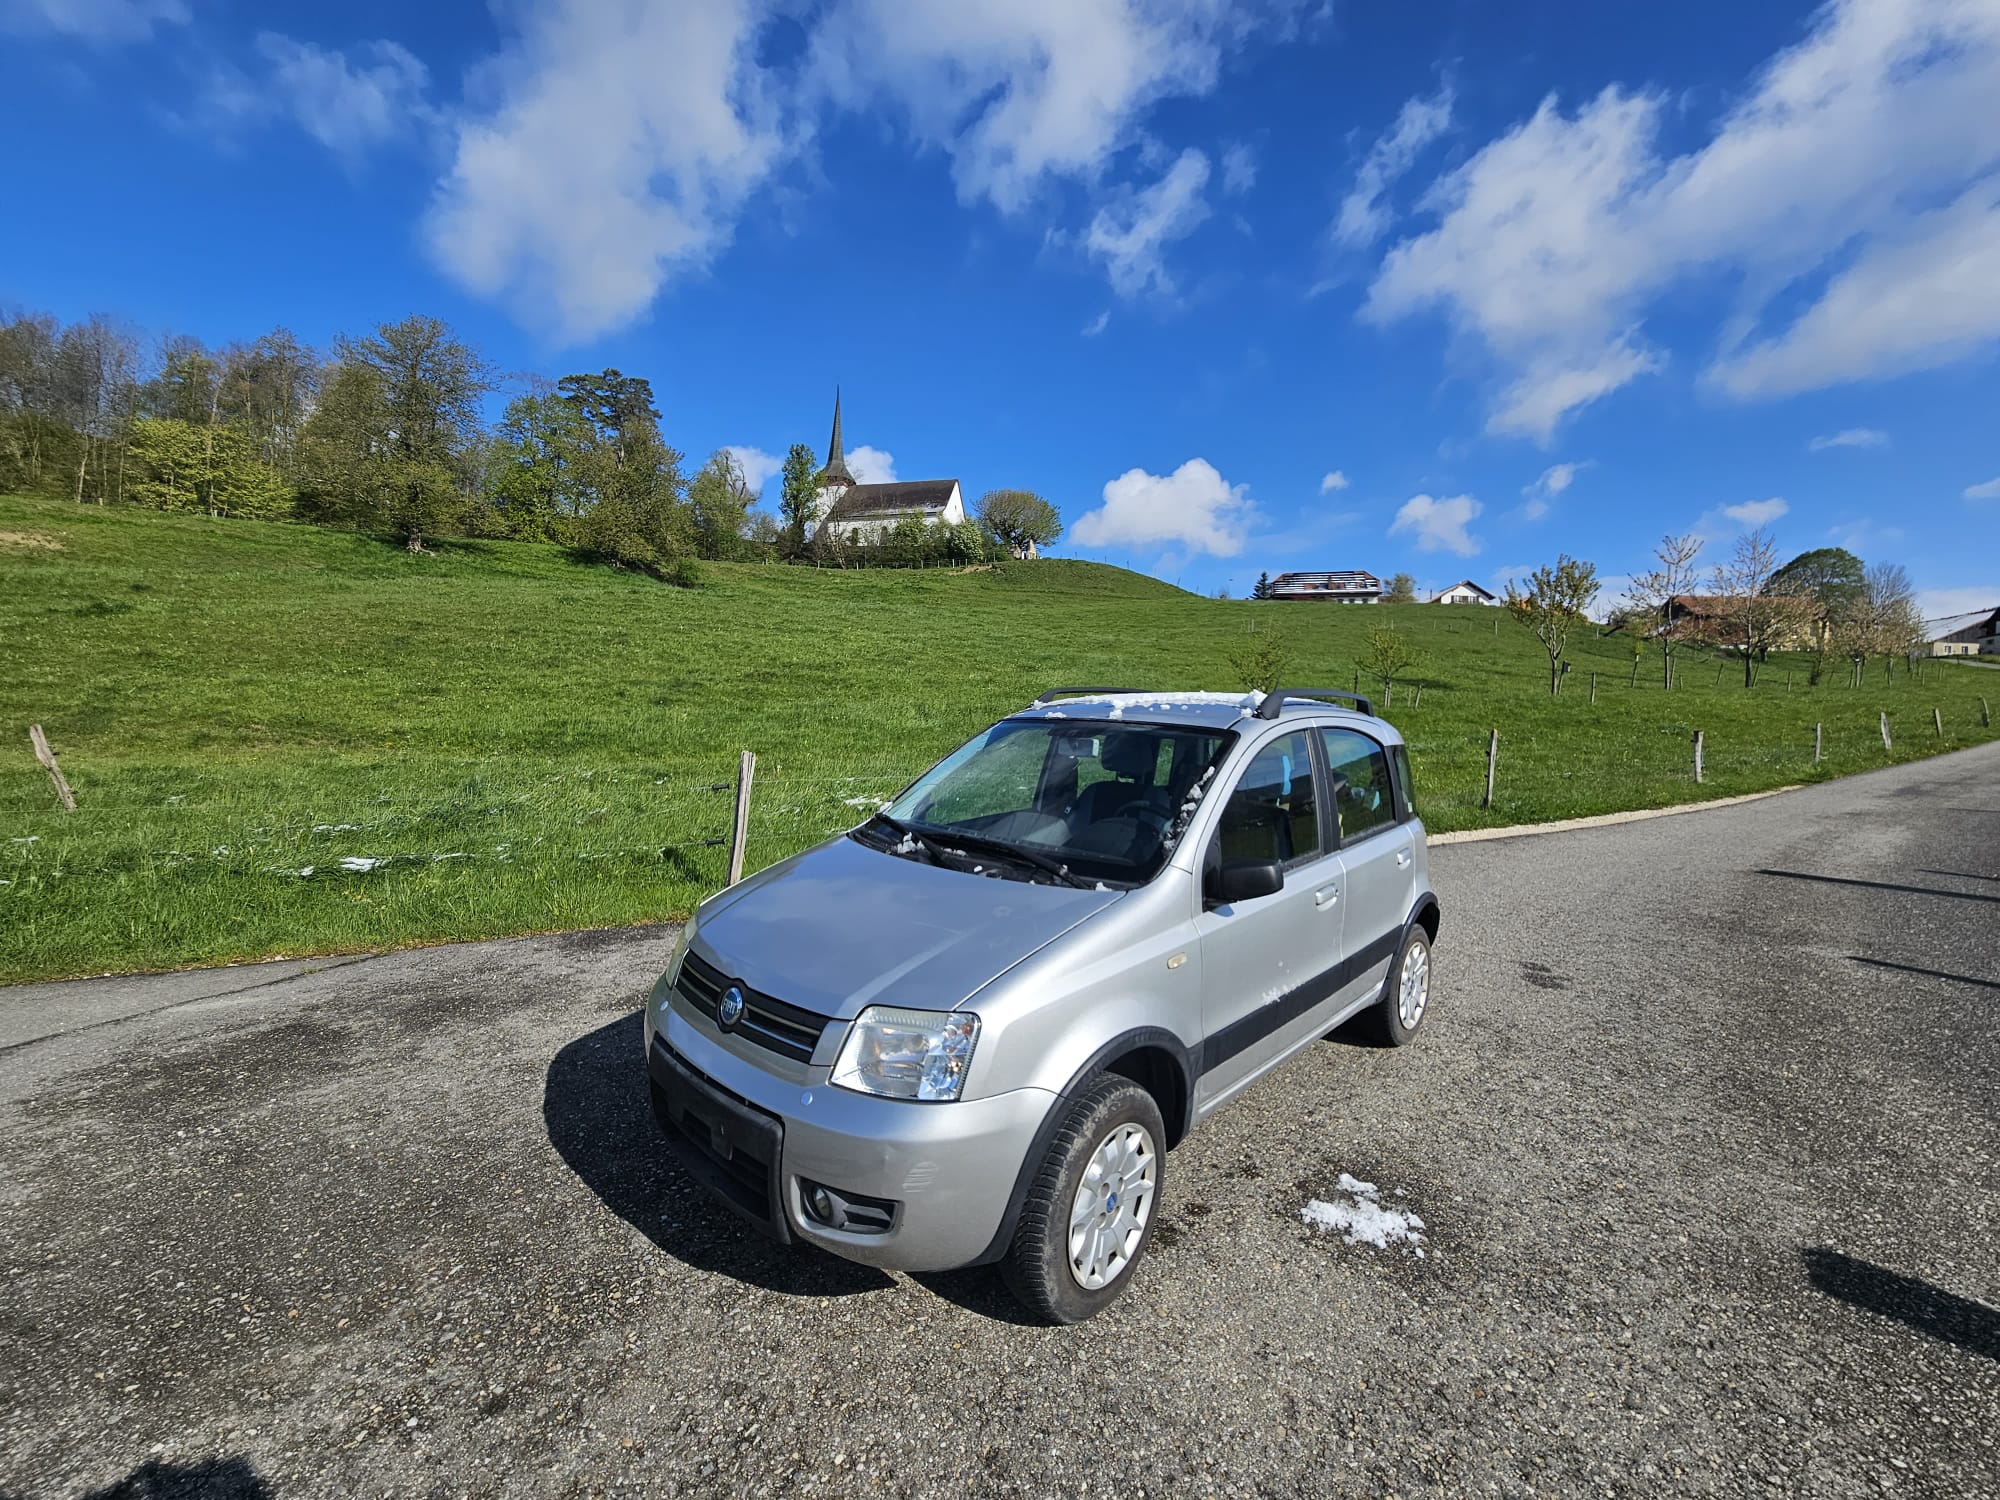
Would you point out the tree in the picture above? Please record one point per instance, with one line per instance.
(798, 497)
(1884, 619)
(1019, 520)
(721, 497)
(1262, 588)
(267, 392)
(1402, 590)
(187, 466)
(536, 473)
(1834, 580)
(1654, 592)
(1556, 599)
(1260, 666)
(1750, 615)
(1388, 654)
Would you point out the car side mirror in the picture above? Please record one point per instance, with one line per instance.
(1243, 880)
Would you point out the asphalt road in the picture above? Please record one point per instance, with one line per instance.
(1703, 1132)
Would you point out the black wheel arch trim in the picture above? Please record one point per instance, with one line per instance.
(1156, 1037)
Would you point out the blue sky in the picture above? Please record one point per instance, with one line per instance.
(1444, 288)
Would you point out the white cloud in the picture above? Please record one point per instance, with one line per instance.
(1020, 91)
(1439, 525)
(1754, 513)
(1990, 490)
(1852, 437)
(93, 20)
(1239, 170)
(871, 465)
(1362, 218)
(1194, 507)
(1554, 479)
(347, 105)
(758, 467)
(1130, 234)
(1097, 324)
(1531, 510)
(1553, 240)
(1336, 479)
(620, 143)
(1939, 604)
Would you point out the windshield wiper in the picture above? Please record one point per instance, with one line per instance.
(939, 846)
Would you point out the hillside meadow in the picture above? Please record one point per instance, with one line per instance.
(286, 740)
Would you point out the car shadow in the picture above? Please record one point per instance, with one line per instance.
(599, 1118)
(211, 1479)
(1930, 1310)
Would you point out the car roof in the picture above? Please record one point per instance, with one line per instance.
(1197, 710)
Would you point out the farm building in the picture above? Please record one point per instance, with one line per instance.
(1465, 591)
(1711, 617)
(864, 512)
(1328, 588)
(1965, 635)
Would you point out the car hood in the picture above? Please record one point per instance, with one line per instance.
(843, 926)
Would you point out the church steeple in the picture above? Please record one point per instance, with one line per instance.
(836, 459)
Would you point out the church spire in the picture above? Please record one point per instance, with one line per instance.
(836, 459)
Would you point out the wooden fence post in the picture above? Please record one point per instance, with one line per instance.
(1817, 742)
(1719, 665)
(48, 759)
(1419, 700)
(1635, 671)
(1937, 723)
(746, 768)
(1593, 687)
(1697, 757)
(1985, 717)
(1492, 759)
(1886, 744)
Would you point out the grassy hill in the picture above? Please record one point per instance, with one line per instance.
(522, 743)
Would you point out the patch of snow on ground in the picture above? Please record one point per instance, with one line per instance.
(33, 838)
(865, 801)
(336, 827)
(1359, 1216)
(361, 864)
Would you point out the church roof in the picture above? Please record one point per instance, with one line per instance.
(836, 460)
(865, 500)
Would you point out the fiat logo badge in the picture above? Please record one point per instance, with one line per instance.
(730, 1010)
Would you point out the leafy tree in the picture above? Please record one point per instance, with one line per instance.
(1262, 588)
(763, 536)
(536, 471)
(1556, 599)
(267, 392)
(721, 497)
(1402, 590)
(186, 466)
(1652, 593)
(798, 496)
(1019, 520)
(1835, 580)
(1389, 654)
(1260, 666)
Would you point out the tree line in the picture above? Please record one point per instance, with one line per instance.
(387, 433)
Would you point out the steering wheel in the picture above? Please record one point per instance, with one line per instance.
(1140, 810)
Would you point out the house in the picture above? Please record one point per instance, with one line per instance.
(853, 512)
(1465, 591)
(1713, 618)
(1328, 588)
(1964, 635)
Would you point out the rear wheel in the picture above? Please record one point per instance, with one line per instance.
(1089, 1212)
(1406, 997)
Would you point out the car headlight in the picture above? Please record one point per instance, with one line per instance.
(907, 1054)
(673, 973)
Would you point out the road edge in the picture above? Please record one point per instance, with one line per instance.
(1602, 820)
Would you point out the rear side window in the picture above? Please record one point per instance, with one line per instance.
(1406, 788)
(1274, 811)
(1362, 793)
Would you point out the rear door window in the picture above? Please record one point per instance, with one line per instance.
(1360, 788)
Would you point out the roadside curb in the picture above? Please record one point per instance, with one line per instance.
(1601, 820)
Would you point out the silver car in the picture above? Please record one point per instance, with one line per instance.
(969, 1030)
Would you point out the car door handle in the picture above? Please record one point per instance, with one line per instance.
(1326, 895)
(1402, 859)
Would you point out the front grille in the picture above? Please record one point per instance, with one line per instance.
(773, 1025)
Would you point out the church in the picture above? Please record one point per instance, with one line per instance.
(853, 512)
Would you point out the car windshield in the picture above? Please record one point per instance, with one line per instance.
(1079, 803)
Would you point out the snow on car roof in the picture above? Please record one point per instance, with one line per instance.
(1209, 710)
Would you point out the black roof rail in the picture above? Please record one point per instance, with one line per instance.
(1079, 692)
(1274, 700)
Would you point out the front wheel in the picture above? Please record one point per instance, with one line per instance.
(1406, 997)
(1089, 1212)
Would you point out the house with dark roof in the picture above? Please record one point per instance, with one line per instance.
(855, 512)
(1974, 634)
(1465, 591)
(1352, 587)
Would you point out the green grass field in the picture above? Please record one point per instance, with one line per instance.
(524, 743)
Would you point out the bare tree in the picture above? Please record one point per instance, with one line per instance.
(1389, 655)
(1653, 594)
(1884, 620)
(1753, 617)
(1557, 598)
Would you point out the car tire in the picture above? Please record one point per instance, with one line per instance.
(1406, 994)
(1075, 1248)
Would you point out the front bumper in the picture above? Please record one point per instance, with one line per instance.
(749, 1137)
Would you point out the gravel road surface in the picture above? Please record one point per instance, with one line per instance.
(1702, 1133)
